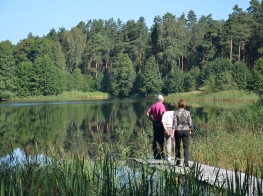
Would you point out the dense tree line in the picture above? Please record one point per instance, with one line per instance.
(177, 54)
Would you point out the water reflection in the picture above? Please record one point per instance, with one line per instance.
(18, 157)
(81, 126)
(76, 126)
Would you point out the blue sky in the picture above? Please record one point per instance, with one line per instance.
(19, 17)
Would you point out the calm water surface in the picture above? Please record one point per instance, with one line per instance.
(73, 125)
(80, 126)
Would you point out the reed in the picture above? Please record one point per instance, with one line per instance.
(65, 96)
(237, 96)
(110, 175)
(232, 137)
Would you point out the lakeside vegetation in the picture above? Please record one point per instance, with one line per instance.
(231, 129)
(106, 58)
(231, 96)
(193, 96)
(222, 137)
(65, 96)
(229, 136)
(58, 173)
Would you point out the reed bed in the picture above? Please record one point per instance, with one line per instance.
(111, 175)
(65, 96)
(230, 137)
(236, 96)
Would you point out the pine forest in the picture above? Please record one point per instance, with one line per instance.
(128, 59)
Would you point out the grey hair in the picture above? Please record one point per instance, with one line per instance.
(160, 98)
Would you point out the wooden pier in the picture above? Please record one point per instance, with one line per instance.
(212, 175)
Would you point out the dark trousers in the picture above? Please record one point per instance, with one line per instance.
(158, 140)
(185, 136)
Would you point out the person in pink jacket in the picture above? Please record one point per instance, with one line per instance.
(155, 113)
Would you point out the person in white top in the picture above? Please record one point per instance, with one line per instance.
(167, 121)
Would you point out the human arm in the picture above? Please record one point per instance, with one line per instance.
(149, 116)
(190, 123)
(164, 122)
(174, 122)
(172, 133)
(165, 129)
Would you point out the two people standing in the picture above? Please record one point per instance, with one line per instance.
(176, 126)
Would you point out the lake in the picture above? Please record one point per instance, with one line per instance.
(82, 126)
(76, 126)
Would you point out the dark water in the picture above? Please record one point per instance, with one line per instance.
(76, 126)
(81, 126)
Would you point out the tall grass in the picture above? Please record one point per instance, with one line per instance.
(72, 95)
(240, 96)
(223, 149)
(232, 137)
(109, 175)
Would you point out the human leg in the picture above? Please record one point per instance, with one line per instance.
(177, 137)
(154, 145)
(158, 140)
(168, 145)
(186, 138)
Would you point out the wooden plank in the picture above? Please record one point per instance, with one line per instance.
(211, 175)
(161, 163)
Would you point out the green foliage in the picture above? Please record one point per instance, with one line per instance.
(73, 45)
(200, 48)
(7, 70)
(174, 82)
(24, 79)
(152, 81)
(189, 83)
(122, 76)
(217, 76)
(216, 143)
(224, 82)
(241, 75)
(112, 175)
(139, 87)
(192, 79)
(79, 80)
(46, 78)
(210, 84)
(256, 82)
(233, 96)
(218, 66)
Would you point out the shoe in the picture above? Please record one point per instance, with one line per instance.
(178, 163)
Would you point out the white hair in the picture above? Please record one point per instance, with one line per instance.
(160, 98)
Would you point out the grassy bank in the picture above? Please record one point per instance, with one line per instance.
(232, 96)
(229, 137)
(223, 149)
(65, 96)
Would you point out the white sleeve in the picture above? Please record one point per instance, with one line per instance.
(163, 118)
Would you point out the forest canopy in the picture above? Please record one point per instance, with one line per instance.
(177, 54)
